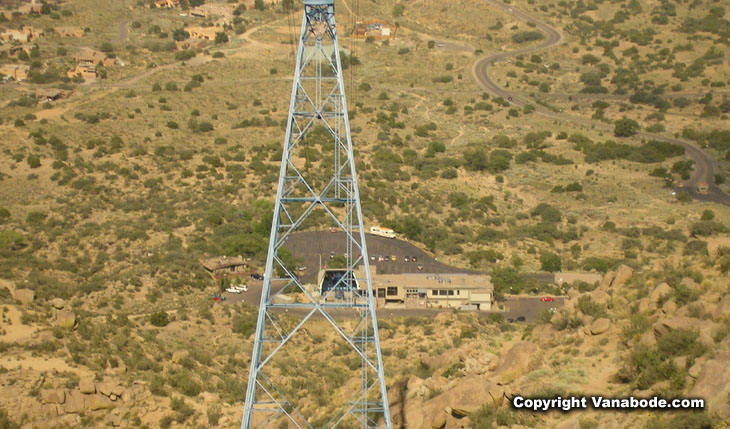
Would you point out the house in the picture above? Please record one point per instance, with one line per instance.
(379, 30)
(194, 44)
(222, 11)
(462, 291)
(703, 187)
(14, 36)
(14, 51)
(17, 72)
(225, 266)
(86, 71)
(69, 32)
(93, 57)
(205, 33)
(167, 3)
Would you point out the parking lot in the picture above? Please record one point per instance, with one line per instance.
(310, 246)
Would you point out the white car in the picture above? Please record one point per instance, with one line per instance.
(233, 290)
(242, 288)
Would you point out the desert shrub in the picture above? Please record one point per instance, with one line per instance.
(695, 247)
(159, 318)
(526, 36)
(547, 212)
(591, 308)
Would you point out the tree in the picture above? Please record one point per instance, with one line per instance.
(34, 161)
(398, 10)
(180, 34)
(625, 127)
(106, 47)
(259, 5)
(550, 262)
(221, 37)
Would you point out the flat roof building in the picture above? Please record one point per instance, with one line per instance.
(414, 290)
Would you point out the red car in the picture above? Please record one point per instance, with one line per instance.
(547, 299)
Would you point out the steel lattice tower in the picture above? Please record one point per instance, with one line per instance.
(317, 186)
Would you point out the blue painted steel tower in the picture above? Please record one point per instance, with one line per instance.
(317, 190)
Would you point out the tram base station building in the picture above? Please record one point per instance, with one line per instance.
(414, 290)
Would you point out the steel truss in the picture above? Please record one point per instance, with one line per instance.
(317, 186)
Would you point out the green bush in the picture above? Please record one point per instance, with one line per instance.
(159, 318)
(526, 36)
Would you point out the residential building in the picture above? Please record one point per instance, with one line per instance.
(17, 72)
(225, 266)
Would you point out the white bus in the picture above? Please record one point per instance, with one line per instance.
(382, 232)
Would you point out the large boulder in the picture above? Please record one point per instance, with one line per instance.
(623, 274)
(58, 303)
(180, 355)
(98, 402)
(439, 421)
(53, 396)
(713, 384)
(600, 297)
(659, 291)
(664, 326)
(469, 395)
(515, 362)
(607, 280)
(87, 386)
(65, 319)
(690, 283)
(600, 326)
(25, 296)
(74, 402)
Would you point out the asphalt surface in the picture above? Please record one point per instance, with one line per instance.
(310, 246)
(515, 307)
(705, 166)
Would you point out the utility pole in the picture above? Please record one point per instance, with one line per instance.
(317, 172)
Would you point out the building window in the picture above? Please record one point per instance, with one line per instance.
(233, 269)
(458, 292)
(434, 292)
(442, 292)
(381, 293)
(451, 292)
(392, 291)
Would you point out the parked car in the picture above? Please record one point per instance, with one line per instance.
(420, 267)
(380, 258)
(232, 290)
(406, 259)
(393, 258)
(547, 299)
(413, 259)
(387, 258)
(332, 255)
(372, 257)
(257, 276)
(242, 288)
(333, 229)
(521, 319)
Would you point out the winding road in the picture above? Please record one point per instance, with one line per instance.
(705, 166)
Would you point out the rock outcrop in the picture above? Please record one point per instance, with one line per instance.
(25, 296)
(600, 326)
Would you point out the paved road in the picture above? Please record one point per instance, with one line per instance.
(705, 166)
(528, 307)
